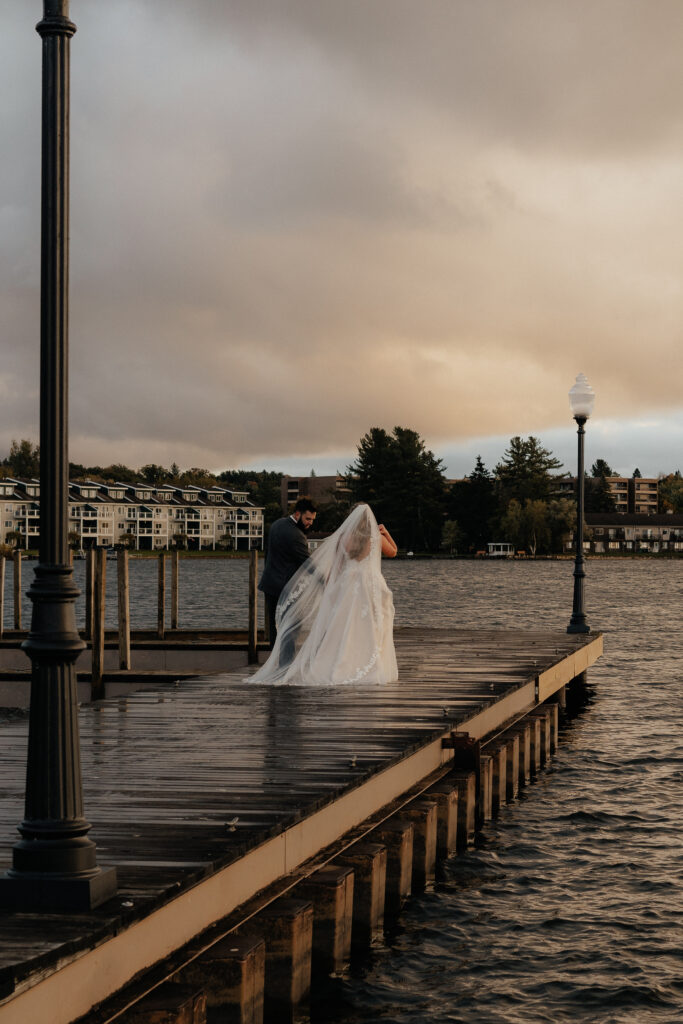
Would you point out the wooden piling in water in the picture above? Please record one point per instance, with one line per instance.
(161, 596)
(543, 717)
(511, 741)
(175, 571)
(397, 836)
(369, 863)
(330, 890)
(232, 974)
(287, 928)
(123, 608)
(499, 775)
(89, 586)
(2, 594)
(534, 744)
(485, 796)
(16, 560)
(422, 814)
(467, 804)
(252, 656)
(446, 795)
(523, 731)
(98, 606)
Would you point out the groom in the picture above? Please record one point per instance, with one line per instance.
(287, 550)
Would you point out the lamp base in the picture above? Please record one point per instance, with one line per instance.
(578, 627)
(55, 893)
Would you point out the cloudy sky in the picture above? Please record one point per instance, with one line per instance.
(293, 220)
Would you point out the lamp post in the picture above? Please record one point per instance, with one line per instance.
(54, 866)
(581, 402)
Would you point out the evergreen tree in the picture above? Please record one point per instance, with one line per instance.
(601, 468)
(525, 470)
(472, 502)
(24, 459)
(403, 483)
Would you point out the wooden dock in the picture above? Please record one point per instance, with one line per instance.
(205, 793)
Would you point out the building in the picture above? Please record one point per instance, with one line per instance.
(140, 516)
(323, 490)
(610, 533)
(637, 495)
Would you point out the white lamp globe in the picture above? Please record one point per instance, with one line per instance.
(581, 398)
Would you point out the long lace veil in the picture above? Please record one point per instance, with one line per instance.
(348, 561)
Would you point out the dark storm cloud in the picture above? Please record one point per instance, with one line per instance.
(293, 220)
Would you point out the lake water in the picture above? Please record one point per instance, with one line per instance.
(570, 907)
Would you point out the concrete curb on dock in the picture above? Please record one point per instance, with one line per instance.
(134, 942)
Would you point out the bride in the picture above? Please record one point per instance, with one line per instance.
(335, 616)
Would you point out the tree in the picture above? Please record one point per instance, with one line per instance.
(153, 474)
(24, 459)
(403, 483)
(524, 471)
(601, 468)
(671, 492)
(472, 502)
(637, 474)
(452, 536)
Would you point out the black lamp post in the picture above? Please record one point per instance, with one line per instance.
(54, 866)
(581, 401)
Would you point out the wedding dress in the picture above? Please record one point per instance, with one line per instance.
(335, 616)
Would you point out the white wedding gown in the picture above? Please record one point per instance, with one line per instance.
(335, 617)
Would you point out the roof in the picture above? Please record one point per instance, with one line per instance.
(633, 519)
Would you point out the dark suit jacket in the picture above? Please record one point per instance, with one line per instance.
(287, 550)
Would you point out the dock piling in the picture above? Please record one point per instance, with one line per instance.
(99, 584)
(287, 927)
(369, 863)
(446, 795)
(423, 816)
(123, 608)
(253, 608)
(397, 836)
(330, 890)
(467, 803)
(232, 974)
(16, 560)
(2, 594)
(175, 567)
(161, 595)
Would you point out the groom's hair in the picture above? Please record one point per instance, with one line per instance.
(305, 505)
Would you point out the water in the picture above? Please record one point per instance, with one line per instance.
(570, 906)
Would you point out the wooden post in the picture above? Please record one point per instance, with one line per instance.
(485, 809)
(2, 594)
(499, 776)
(397, 836)
(232, 974)
(99, 583)
(535, 742)
(287, 927)
(124, 609)
(512, 784)
(17, 589)
(252, 656)
(369, 863)
(423, 815)
(330, 889)
(175, 565)
(467, 806)
(89, 581)
(446, 795)
(161, 596)
(542, 714)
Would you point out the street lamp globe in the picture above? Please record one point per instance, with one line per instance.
(581, 398)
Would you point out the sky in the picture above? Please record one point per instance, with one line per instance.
(294, 221)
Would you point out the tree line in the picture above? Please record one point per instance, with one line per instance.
(516, 501)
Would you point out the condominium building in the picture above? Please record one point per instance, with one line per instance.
(637, 495)
(628, 532)
(321, 489)
(140, 516)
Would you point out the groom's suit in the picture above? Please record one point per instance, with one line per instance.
(287, 550)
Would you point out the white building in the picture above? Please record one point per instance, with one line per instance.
(139, 515)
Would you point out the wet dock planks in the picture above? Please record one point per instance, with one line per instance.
(188, 779)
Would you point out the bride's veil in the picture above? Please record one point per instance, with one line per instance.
(302, 606)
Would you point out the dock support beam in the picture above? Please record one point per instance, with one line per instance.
(54, 865)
